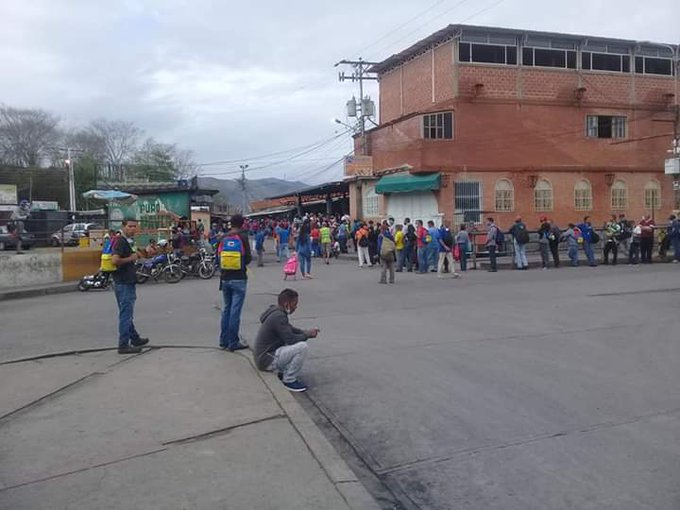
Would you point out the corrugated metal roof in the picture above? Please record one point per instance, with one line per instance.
(454, 31)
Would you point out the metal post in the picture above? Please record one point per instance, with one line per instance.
(243, 189)
(71, 182)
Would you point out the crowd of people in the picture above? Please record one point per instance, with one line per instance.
(396, 247)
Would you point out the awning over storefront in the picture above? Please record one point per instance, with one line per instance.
(406, 183)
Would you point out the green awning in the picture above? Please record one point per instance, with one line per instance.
(405, 183)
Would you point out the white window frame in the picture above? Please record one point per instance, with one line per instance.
(583, 195)
(504, 197)
(439, 126)
(371, 205)
(652, 188)
(543, 196)
(619, 203)
(619, 126)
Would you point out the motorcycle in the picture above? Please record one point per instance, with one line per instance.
(200, 264)
(165, 265)
(100, 280)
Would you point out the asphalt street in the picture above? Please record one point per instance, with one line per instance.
(515, 390)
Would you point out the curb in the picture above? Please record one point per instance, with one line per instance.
(6, 295)
(339, 473)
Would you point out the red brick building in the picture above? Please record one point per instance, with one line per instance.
(514, 122)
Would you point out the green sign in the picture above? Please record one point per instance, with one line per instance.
(153, 211)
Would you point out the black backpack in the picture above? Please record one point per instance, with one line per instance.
(521, 234)
(411, 234)
(447, 239)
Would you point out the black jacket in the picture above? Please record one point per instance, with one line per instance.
(274, 332)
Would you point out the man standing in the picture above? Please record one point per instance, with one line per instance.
(554, 242)
(445, 240)
(433, 247)
(586, 229)
(674, 236)
(234, 256)
(646, 239)
(326, 240)
(422, 242)
(520, 238)
(491, 243)
(571, 237)
(612, 230)
(410, 239)
(361, 240)
(544, 241)
(19, 216)
(625, 235)
(283, 237)
(124, 257)
(280, 347)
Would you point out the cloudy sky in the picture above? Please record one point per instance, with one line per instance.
(236, 80)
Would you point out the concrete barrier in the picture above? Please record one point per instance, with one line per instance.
(32, 268)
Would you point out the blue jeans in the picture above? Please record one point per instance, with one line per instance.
(462, 247)
(432, 255)
(675, 241)
(284, 252)
(234, 294)
(590, 255)
(422, 259)
(573, 255)
(520, 255)
(126, 295)
(305, 257)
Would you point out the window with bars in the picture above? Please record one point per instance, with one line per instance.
(468, 200)
(653, 195)
(543, 196)
(438, 126)
(605, 126)
(619, 196)
(370, 202)
(583, 196)
(505, 196)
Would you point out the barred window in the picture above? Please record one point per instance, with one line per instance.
(505, 196)
(619, 196)
(653, 195)
(543, 196)
(583, 196)
(605, 126)
(370, 202)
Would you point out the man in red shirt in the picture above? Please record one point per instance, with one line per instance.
(646, 239)
(421, 242)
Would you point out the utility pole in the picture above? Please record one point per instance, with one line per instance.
(242, 181)
(360, 74)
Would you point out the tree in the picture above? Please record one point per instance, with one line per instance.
(161, 162)
(27, 136)
(119, 139)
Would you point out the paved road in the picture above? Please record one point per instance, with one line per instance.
(516, 390)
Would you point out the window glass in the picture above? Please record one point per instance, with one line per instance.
(583, 196)
(464, 52)
(488, 54)
(438, 126)
(543, 196)
(549, 58)
(605, 62)
(658, 66)
(505, 196)
(528, 56)
(585, 60)
(652, 195)
(619, 196)
(511, 55)
(639, 65)
(571, 59)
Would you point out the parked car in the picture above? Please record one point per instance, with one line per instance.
(9, 241)
(72, 233)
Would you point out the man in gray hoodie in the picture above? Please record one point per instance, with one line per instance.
(279, 346)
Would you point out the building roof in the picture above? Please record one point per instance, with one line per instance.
(143, 188)
(455, 31)
(328, 187)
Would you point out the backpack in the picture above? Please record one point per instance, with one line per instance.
(363, 241)
(521, 234)
(594, 237)
(674, 231)
(500, 237)
(107, 265)
(387, 248)
(411, 234)
(232, 253)
(447, 238)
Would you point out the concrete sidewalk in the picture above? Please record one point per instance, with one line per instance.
(173, 427)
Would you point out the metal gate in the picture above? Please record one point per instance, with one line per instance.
(468, 202)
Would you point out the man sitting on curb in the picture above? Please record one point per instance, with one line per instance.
(279, 346)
